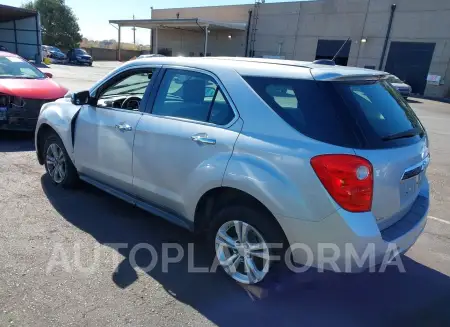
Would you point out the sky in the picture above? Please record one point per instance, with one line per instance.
(93, 15)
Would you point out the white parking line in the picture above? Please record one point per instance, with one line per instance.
(440, 220)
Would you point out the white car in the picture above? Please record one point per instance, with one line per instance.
(45, 51)
(258, 154)
(403, 88)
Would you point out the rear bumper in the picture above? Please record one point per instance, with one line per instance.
(353, 242)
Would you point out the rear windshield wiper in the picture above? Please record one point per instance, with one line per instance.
(409, 133)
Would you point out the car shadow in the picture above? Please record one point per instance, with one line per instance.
(11, 141)
(413, 100)
(76, 65)
(392, 298)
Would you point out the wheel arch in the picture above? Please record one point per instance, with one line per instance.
(59, 118)
(216, 198)
(43, 130)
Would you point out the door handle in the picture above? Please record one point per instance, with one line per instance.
(124, 127)
(203, 138)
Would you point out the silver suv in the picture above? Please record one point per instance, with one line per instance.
(258, 154)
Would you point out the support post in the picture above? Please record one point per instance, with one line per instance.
(206, 41)
(118, 44)
(155, 51)
(388, 33)
(38, 58)
(15, 37)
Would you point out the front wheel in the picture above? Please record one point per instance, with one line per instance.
(58, 164)
(246, 240)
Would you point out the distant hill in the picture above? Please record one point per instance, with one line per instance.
(112, 44)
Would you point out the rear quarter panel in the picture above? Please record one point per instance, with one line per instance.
(277, 172)
(271, 160)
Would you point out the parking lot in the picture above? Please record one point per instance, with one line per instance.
(38, 220)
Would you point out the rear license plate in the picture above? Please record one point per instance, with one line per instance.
(3, 111)
(412, 185)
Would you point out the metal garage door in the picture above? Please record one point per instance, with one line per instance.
(327, 49)
(410, 61)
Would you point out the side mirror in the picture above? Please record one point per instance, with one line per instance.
(49, 75)
(81, 98)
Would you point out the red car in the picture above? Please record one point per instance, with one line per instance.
(23, 91)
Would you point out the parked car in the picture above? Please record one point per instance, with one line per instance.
(282, 152)
(80, 57)
(23, 90)
(56, 54)
(403, 88)
(45, 51)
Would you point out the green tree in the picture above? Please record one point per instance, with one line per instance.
(58, 23)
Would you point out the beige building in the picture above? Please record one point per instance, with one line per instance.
(410, 38)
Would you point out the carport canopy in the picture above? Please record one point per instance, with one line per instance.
(8, 13)
(20, 31)
(192, 24)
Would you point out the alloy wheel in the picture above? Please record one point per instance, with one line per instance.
(56, 163)
(242, 252)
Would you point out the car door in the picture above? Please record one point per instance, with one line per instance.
(183, 145)
(104, 130)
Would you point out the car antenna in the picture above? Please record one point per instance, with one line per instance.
(340, 49)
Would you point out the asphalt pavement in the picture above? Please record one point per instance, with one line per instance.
(60, 265)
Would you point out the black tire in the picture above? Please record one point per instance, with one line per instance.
(259, 219)
(70, 179)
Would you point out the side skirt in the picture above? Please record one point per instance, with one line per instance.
(177, 220)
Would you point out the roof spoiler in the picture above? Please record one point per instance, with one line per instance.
(338, 77)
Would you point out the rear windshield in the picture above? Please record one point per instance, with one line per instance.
(358, 115)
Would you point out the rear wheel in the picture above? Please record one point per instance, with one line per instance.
(58, 163)
(245, 240)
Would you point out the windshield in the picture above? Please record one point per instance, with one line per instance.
(14, 67)
(80, 51)
(394, 79)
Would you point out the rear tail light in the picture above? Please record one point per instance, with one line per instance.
(347, 178)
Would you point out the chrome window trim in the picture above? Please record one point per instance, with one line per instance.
(222, 88)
